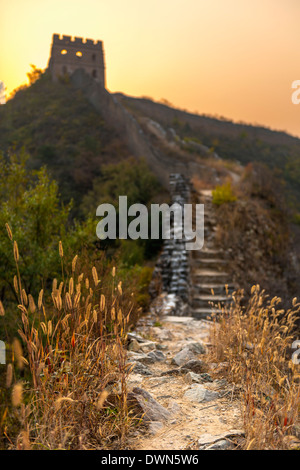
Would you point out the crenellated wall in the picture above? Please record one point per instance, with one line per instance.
(69, 54)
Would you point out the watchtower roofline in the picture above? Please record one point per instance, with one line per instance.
(63, 40)
(71, 53)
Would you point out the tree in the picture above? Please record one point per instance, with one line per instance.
(30, 205)
(131, 178)
(34, 74)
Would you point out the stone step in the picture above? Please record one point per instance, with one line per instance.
(219, 289)
(205, 313)
(210, 275)
(204, 301)
(207, 253)
(211, 263)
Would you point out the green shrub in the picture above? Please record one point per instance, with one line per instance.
(223, 194)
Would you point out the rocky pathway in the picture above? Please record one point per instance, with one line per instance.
(183, 399)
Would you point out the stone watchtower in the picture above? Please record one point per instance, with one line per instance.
(68, 54)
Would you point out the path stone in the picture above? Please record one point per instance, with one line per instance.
(198, 393)
(150, 358)
(191, 377)
(154, 427)
(210, 439)
(197, 348)
(134, 346)
(194, 365)
(162, 334)
(183, 356)
(223, 444)
(140, 368)
(146, 406)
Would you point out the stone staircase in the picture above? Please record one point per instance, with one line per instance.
(197, 282)
(210, 279)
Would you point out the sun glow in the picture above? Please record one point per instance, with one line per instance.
(222, 57)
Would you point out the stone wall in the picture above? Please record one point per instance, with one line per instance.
(119, 118)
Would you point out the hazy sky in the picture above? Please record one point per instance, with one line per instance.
(232, 58)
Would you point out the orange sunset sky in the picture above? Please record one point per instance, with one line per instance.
(232, 58)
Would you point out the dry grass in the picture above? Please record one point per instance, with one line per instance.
(74, 349)
(255, 341)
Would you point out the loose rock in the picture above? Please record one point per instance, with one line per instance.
(183, 356)
(193, 365)
(144, 405)
(199, 394)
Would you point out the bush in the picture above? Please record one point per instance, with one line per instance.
(223, 194)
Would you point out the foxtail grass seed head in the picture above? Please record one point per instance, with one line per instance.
(68, 301)
(9, 232)
(74, 263)
(40, 299)
(16, 287)
(71, 286)
(101, 400)
(17, 394)
(77, 299)
(2, 311)
(49, 328)
(95, 316)
(59, 401)
(102, 303)
(113, 271)
(24, 297)
(18, 352)
(31, 303)
(16, 252)
(120, 316)
(9, 375)
(25, 440)
(60, 249)
(113, 313)
(95, 276)
(120, 288)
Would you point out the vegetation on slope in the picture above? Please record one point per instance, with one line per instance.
(231, 141)
(59, 129)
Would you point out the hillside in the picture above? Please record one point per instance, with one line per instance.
(237, 142)
(59, 128)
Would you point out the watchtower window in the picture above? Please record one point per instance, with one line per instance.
(93, 57)
(94, 73)
(64, 51)
(79, 54)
